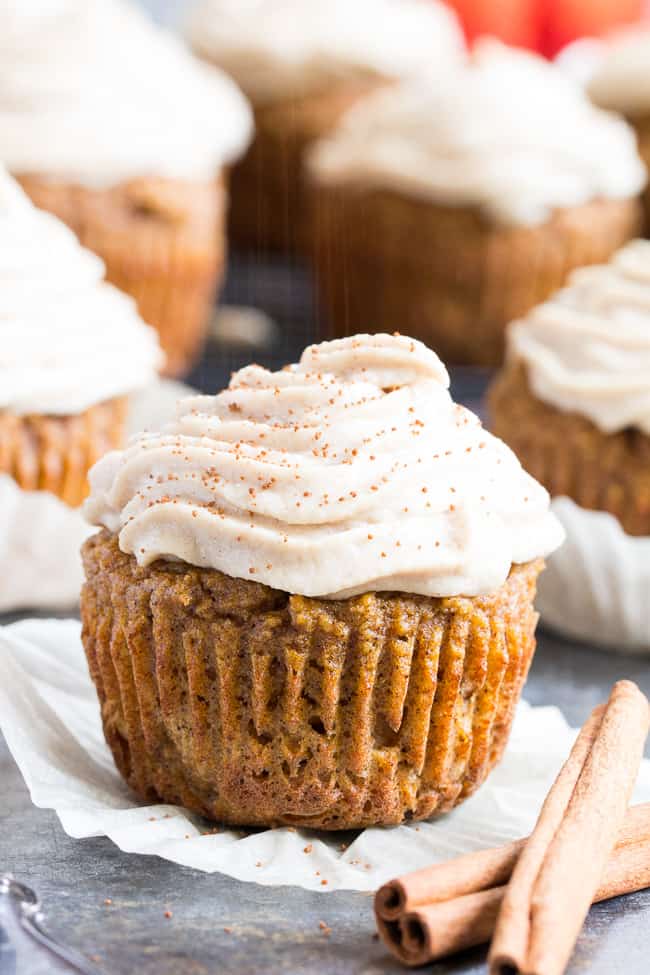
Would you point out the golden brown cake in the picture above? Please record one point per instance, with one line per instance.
(447, 210)
(319, 610)
(303, 63)
(131, 151)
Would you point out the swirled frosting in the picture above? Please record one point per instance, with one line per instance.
(621, 77)
(92, 92)
(348, 472)
(68, 340)
(508, 133)
(278, 48)
(587, 350)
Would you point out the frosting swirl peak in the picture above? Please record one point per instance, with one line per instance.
(350, 471)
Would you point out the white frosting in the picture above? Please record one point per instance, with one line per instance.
(351, 471)
(68, 340)
(40, 537)
(587, 350)
(92, 92)
(621, 79)
(276, 48)
(509, 133)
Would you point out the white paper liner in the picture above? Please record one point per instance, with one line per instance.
(596, 587)
(40, 537)
(50, 718)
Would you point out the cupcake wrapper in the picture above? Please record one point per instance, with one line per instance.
(55, 453)
(596, 585)
(269, 202)
(571, 456)
(254, 707)
(162, 242)
(444, 274)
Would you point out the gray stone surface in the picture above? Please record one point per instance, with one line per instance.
(274, 930)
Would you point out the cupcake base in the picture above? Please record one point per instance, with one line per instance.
(571, 456)
(446, 275)
(270, 206)
(55, 453)
(255, 707)
(162, 242)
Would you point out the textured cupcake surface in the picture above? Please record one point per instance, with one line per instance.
(587, 350)
(278, 48)
(68, 339)
(350, 471)
(91, 91)
(508, 133)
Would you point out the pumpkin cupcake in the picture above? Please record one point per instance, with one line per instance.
(302, 63)
(72, 350)
(109, 123)
(450, 208)
(621, 83)
(573, 401)
(311, 600)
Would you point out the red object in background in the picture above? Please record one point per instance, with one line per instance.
(516, 22)
(567, 20)
(544, 25)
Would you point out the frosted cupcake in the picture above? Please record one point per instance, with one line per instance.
(574, 403)
(303, 63)
(72, 350)
(110, 123)
(321, 582)
(621, 83)
(449, 209)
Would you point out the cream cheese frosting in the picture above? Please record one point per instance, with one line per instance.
(587, 349)
(68, 340)
(348, 472)
(92, 92)
(279, 48)
(508, 133)
(621, 76)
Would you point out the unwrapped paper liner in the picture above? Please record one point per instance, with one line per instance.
(50, 718)
(596, 587)
(40, 536)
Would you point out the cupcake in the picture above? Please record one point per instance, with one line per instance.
(311, 600)
(72, 350)
(621, 83)
(448, 209)
(302, 63)
(573, 401)
(113, 126)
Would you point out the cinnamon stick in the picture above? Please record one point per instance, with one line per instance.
(428, 930)
(560, 868)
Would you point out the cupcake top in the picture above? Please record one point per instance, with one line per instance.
(279, 48)
(587, 350)
(508, 133)
(93, 92)
(621, 78)
(348, 472)
(68, 340)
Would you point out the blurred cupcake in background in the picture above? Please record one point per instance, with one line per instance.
(72, 351)
(621, 82)
(573, 401)
(109, 123)
(302, 63)
(447, 208)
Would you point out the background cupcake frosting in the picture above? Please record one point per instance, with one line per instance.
(507, 132)
(350, 471)
(292, 46)
(95, 93)
(69, 339)
(588, 348)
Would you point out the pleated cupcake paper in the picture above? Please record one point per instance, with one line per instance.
(596, 587)
(50, 718)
